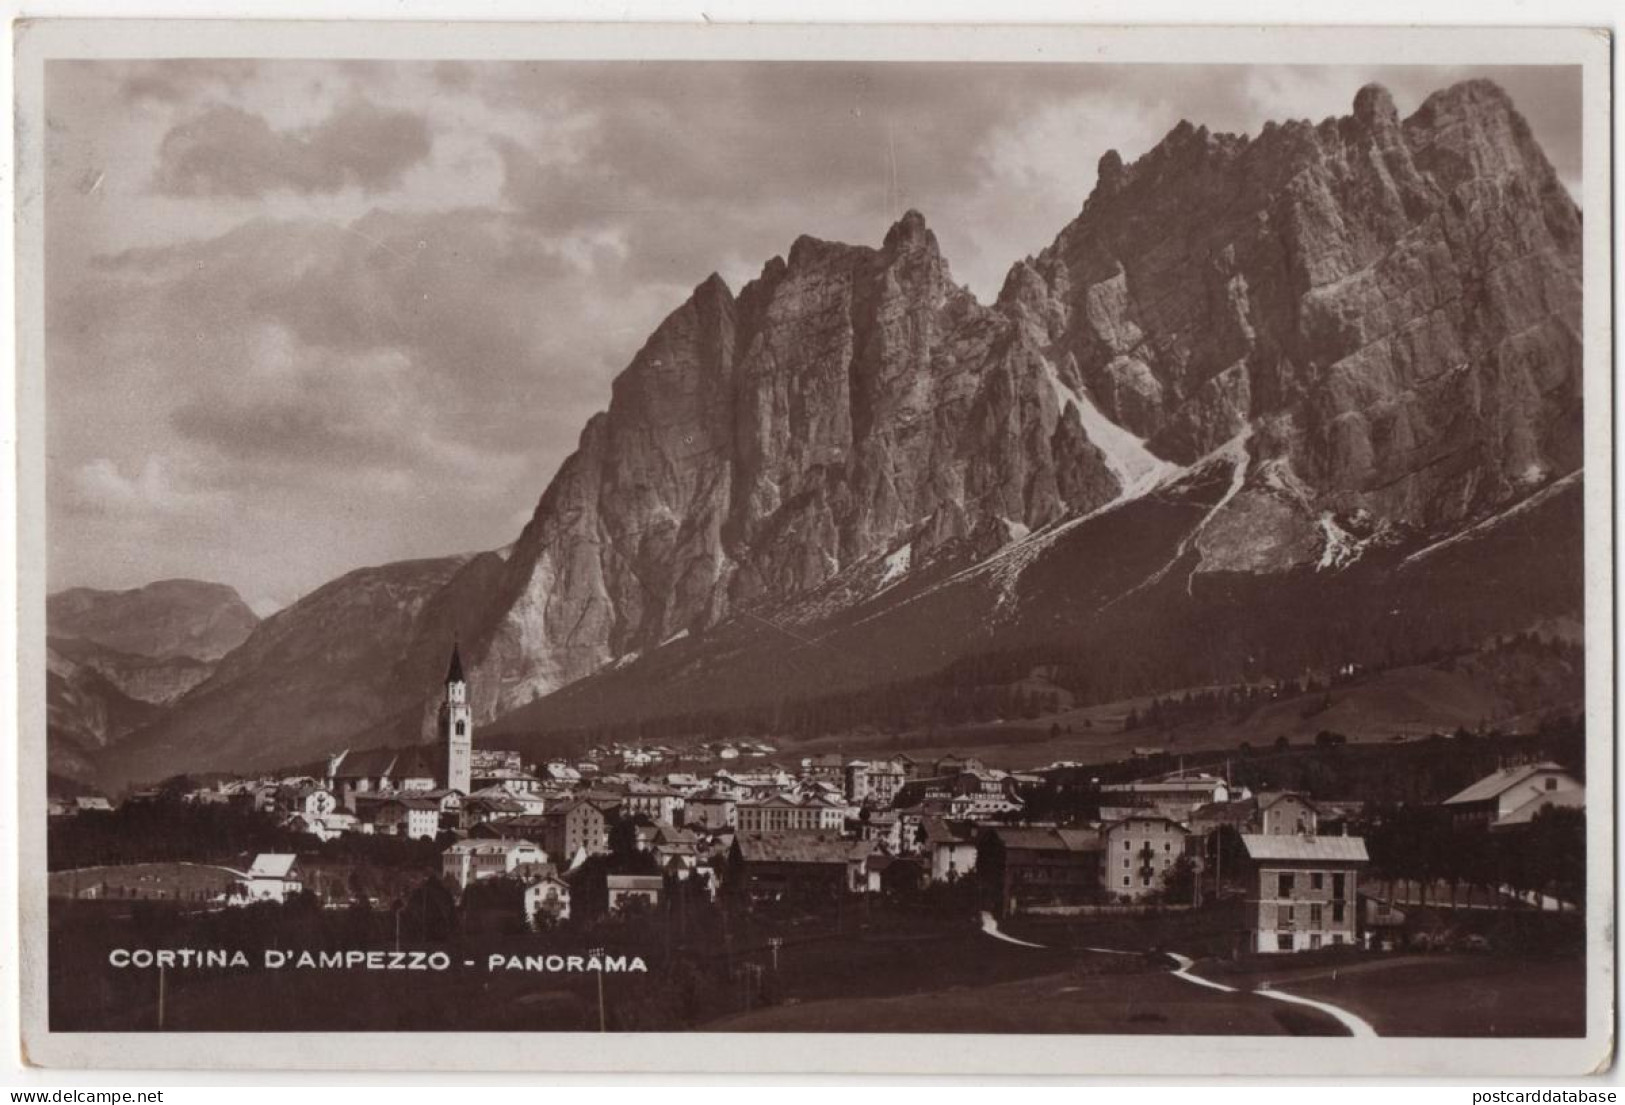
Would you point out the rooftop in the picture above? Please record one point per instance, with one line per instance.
(1492, 786)
(1342, 849)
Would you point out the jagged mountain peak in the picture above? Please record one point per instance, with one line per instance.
(1364, 318)
(1374, 107)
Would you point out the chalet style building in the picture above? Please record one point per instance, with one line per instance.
(1511, 797)
(1140, 852)
(1034, 867)
(1302, 890)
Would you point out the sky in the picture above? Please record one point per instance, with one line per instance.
(303, 317)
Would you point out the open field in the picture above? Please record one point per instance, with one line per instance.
(1453, 995)
(171, 881)
(1140, 1000)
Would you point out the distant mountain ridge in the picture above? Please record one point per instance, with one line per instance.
(171, 618)
(117, 659)
(1248, 363)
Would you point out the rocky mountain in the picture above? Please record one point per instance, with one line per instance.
(172, 618)
(118, 658)
(1251, 368)
(85, 713)
(312, 676)
(1376, 319)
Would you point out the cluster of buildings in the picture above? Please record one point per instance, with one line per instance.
(829, 824)
(824, 821)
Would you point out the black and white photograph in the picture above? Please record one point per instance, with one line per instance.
(1030, 541)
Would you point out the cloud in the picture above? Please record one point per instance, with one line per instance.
(227, 151)
(169, 83)
(362, 310)
(101, 488)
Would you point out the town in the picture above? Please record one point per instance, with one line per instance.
(661, 849)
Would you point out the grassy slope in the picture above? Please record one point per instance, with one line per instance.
(1178, 631)
(1465, 996)
(1139, 1002)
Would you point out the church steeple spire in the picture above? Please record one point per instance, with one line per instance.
(457, 726)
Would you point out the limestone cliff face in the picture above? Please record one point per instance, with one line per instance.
(1385, 313)
(847, 401)
(1393, 307)
(1368, 327)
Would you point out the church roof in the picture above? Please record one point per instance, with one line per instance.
(454, 674)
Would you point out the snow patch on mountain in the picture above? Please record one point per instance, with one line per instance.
(896, 565)
(1137, 468)
(1341, 547)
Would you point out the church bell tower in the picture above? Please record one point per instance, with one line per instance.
(457, 727)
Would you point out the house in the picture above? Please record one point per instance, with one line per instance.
(549, 895)
(328, 827)
(656, 801)
(876, 780)
(1285, 813)
(828, 766)
(1381, 922)
(92, 803)
(632, 891)
(309, 799)
(1042, 866)
(676, 850)
(954, 765)
(272, 877)
(1174, 796)
(776, 865)
(1140, 851)
(950, 848)
(413, 818)
(1302, 890)
(470, 860)
(517, 782)
(967, 794)
(481, 808)
(482, 760)
(557, 771)
(893, 874)
(572, 826)
(513, 793)
(881, 826)
(1207, 819)
(1512, 796)
(710, 809)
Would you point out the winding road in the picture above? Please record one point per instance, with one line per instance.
(1357, 1026)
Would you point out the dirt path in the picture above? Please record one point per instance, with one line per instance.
(991, 927)
(1357, 1026)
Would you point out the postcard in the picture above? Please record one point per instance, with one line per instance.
(815, 548)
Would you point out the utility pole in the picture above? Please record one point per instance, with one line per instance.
(161, 988)
(598, 954)
(775, 943)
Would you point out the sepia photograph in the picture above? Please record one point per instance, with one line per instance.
(1064, 536)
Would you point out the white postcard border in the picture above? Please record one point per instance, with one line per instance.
(836, 1053)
